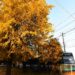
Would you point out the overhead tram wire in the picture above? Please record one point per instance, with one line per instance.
(69, 30)
(66, 32)
(70, 39)
(67, 13)
(62, 22)
(66, 25)
(65, 10)
(71, 46)
(64, 48)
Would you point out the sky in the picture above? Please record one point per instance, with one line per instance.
(62, 16)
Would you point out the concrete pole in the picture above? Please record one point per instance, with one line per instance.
(63, 42)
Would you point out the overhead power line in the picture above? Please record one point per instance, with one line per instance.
(66, 32)
(70, 39)
(66, 25)
(62, 22)
(63, 34)
(69, 30)
(69, 46)
(65, 10)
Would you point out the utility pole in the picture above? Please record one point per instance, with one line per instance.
(63, 42)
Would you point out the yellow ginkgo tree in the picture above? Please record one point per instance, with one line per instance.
(24, 31)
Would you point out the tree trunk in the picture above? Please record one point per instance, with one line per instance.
(8, 67)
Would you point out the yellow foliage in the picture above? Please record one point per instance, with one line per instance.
(5, 44)
(51, 52)
(4, 26)
(24, 28)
